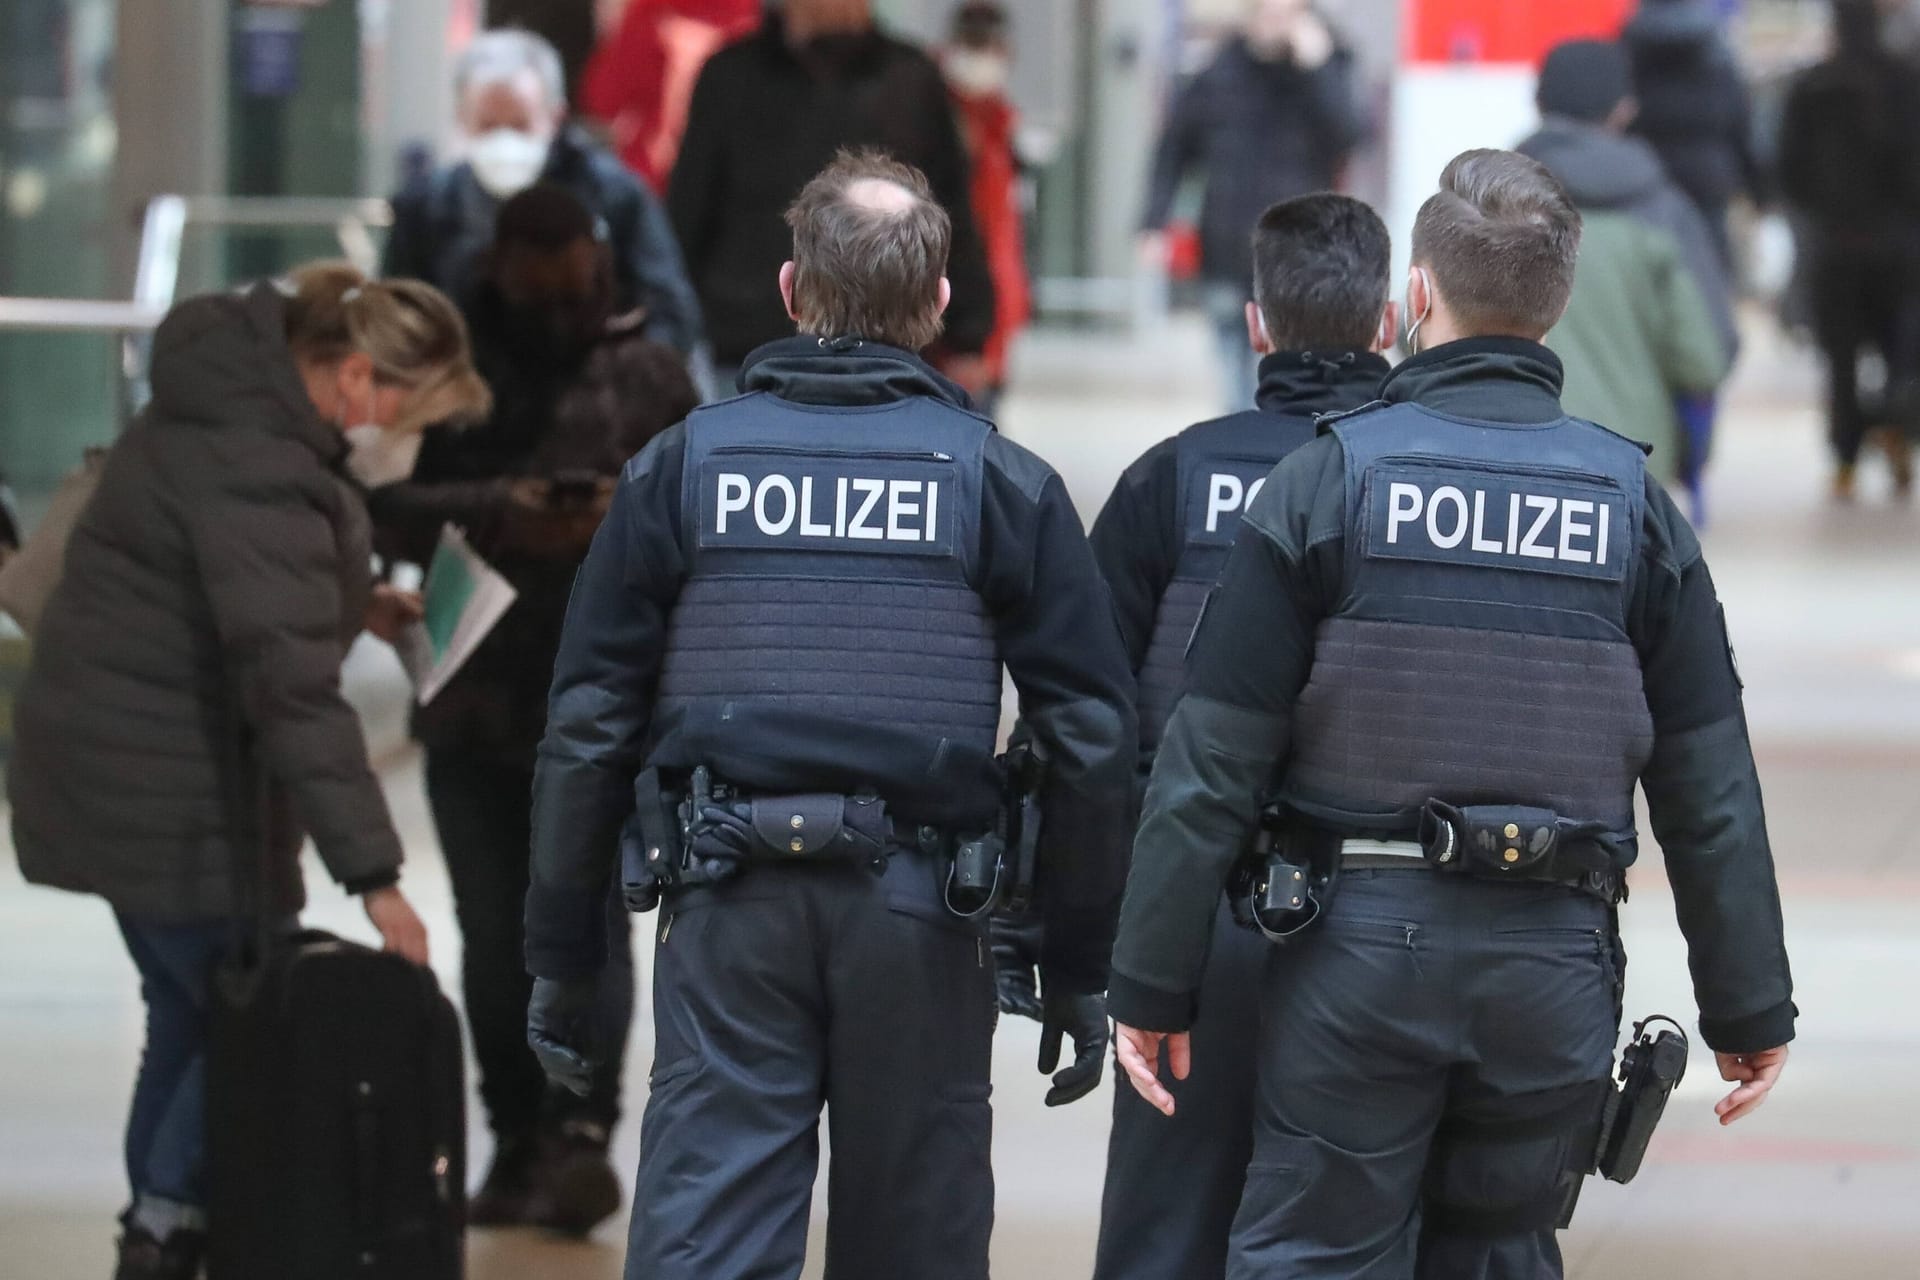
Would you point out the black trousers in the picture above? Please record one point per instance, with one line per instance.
(483, 810)
(1174, 1183)
(1868, 302)
(1432, 1054)
(795, 987)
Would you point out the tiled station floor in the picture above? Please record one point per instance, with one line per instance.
(1823, 1183)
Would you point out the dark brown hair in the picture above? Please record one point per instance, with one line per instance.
(863, 266)
(1320, 273)
(1501, 238)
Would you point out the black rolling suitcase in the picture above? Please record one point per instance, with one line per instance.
(336, 1119)
(336, 1099)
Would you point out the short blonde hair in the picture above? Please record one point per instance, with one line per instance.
(412, 333)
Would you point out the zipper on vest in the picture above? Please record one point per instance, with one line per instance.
(791, 451)
(1502, 468)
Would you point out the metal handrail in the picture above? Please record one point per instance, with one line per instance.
(156, 279)
(77, 315)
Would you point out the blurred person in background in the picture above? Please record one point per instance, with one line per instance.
(640, 80)
(1850, 171)
(1272, 117)
(772, 110)
(1651, 318)
(978, 62)
(192, 651)
(578, 390)
(1694, 107)
(1901, 30)
(513, 110)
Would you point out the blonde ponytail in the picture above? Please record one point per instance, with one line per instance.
(412, 333)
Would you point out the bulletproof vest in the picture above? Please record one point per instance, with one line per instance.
(1220, 467)
(1479, 652)
(832, 561)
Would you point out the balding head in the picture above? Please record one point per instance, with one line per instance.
(869, 254)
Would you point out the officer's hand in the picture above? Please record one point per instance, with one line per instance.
(563, 1029)
(1084, 1018)
(1016, 963)
(1755, 1073)
(1140, 1059)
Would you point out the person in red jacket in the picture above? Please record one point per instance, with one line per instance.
(978, 63)
(640, 79)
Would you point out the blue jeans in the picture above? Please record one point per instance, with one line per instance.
(167, 1130)
(1239, 367)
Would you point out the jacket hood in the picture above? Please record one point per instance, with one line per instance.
(222, 361)
(1676, 25)
(1309, 383)
(845, 371)
(1600, 169)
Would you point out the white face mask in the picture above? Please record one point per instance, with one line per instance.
(507, 161)
(978, 72)
(378, 457)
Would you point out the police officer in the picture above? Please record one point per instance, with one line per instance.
(1319, 317)
(1461, 625)
(793, 623)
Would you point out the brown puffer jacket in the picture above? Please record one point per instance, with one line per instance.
(223, 563)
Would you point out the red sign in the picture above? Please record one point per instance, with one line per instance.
(1506, 30)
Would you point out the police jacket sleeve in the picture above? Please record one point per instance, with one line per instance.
(1133, 542)
(599, 711)
(1251, 656)
(1704, 795)
(1054, 625)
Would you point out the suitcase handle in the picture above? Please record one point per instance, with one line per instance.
(366, 1158)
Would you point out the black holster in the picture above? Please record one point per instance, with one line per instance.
(1651, 1068)
(651, 847)
(1286, 882)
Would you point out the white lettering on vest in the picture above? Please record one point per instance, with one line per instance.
(1403, 507)
(1455, 518)
(898, 508)
(1447, 493)
(1546, 507)
(734, 495)
(1484, 545)
(1571, 528)
(784, 487)
(1224, 495)
(808, 527)
(860, 528)
(781, 506)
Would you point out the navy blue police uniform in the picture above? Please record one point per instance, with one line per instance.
(806, 596)
(1173, 1184)
(1458, 622)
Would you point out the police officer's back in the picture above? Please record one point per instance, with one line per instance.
(1320, 316)
(1465, 625)
(791, 628)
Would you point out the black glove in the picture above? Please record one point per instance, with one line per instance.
(1016, 962)
(1083, 1017)
(563, 1027)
